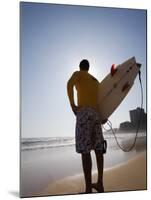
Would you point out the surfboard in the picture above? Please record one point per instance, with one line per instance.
(115, 87)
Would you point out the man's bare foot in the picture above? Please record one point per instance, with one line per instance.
(98, 187)
(88, 191)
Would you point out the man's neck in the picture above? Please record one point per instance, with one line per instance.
(81, 70)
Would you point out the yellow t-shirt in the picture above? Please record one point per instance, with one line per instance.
(87, 89)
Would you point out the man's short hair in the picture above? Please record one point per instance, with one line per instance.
(84, 65)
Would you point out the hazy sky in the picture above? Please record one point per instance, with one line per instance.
(54, 39)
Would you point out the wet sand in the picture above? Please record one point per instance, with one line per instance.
(130, 175)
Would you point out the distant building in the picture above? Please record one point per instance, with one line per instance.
(126, 126)
(138, 119)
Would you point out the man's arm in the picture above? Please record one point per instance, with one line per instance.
(70, 91)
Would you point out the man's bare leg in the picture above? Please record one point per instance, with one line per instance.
(100, 165)
(87, 167)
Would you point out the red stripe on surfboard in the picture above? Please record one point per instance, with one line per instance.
(113, 69)
(126, 85)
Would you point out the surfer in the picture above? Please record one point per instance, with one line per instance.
(88, 127)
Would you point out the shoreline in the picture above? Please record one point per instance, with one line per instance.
(41, 167)
(130, 175)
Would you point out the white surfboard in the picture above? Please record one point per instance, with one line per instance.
(115, 86)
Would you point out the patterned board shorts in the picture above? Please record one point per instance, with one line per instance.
(88, 131)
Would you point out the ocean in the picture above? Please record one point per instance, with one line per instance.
(47, 142)
(53, 142)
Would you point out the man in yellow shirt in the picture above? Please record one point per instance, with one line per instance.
(88, 124)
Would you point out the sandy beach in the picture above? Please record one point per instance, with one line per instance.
(130, 175)
(50, 169)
